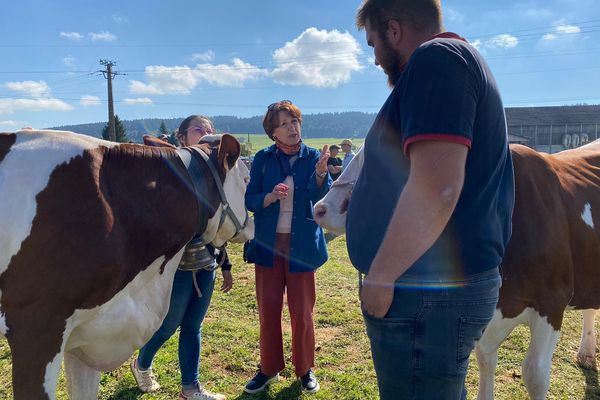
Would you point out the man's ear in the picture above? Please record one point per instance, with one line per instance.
(229, 151)
(394, 31)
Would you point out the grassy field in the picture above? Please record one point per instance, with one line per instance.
(262, 141)
(344, 367)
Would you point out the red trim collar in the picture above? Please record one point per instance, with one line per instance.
(448, 35)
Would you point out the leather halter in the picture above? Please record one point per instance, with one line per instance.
(191, 158)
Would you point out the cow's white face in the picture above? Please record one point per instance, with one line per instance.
(237, 177)
(236, 180)
(330, 211)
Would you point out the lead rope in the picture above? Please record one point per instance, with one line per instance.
(196, 284)
(219, 265)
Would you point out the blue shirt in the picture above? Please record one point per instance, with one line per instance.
(308, 249)
(347, 158)
(446, 92)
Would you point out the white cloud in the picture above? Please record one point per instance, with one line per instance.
(102, 36)
(89, 101)
(183, 79)
(9, 105)
(120, 19)
(138, 100)
(139, 87)
(317, 58)
(503, 41)
(69, 61)
(165, 80)
(233, 75)
(208, 55)
(71, 35)
(453, 15)
(561, 31)
(477, 43)
(30, 88)
(39, 98)
(564, 29)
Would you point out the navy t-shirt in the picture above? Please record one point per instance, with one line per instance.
(446, 92)
(337, 162)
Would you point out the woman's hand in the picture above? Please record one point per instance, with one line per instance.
(279, 192)
(227, 281)
(321, 167)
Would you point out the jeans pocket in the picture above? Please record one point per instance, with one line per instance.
(394, 358)
(470, 331)
(387, 331)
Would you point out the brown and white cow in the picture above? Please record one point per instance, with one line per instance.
(330, 211)
(551, 263)
(91, 235)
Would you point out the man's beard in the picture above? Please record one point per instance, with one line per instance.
(390, 62)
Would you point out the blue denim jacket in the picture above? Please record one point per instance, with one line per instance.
(308, 250)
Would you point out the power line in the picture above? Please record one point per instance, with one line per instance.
(540, 30)
(593, 24)
(308, 60)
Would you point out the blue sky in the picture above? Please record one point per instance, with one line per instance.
(227, 57)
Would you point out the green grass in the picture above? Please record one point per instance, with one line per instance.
(344, 367)
(262, 141)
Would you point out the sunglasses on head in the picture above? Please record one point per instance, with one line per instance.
(272, 105)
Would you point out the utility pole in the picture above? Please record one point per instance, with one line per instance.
(109, 75)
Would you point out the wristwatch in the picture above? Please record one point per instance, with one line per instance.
(323, 175)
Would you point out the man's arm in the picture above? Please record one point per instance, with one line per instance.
(437, 171)
(334, 169)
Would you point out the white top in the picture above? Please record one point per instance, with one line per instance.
(286, 208)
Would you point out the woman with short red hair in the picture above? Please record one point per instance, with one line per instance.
(286, 179)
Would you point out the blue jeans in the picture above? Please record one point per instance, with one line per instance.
(421, 347)
(187, 311)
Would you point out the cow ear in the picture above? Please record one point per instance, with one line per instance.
(229, 151)
(156, 142)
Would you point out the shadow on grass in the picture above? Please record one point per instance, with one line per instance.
(124, 392)
(292, 392)
(329, 236)
(592, 390)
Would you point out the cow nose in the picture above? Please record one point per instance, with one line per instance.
(320, 211)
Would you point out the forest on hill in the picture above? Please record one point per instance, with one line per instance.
(323, 125)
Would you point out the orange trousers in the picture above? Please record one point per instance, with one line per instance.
(271, 283)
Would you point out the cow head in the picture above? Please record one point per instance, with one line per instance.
(330, 211)
(236, 225)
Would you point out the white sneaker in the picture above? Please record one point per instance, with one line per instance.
(145, 378)
(201, 394)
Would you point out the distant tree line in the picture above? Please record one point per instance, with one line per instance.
(338, 125)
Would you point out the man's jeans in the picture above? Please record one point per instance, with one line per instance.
(421, 347)
(186, 310)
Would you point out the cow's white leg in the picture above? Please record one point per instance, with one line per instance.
(586, 356)
(487, 352)
(537, 363)
(82, 381)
